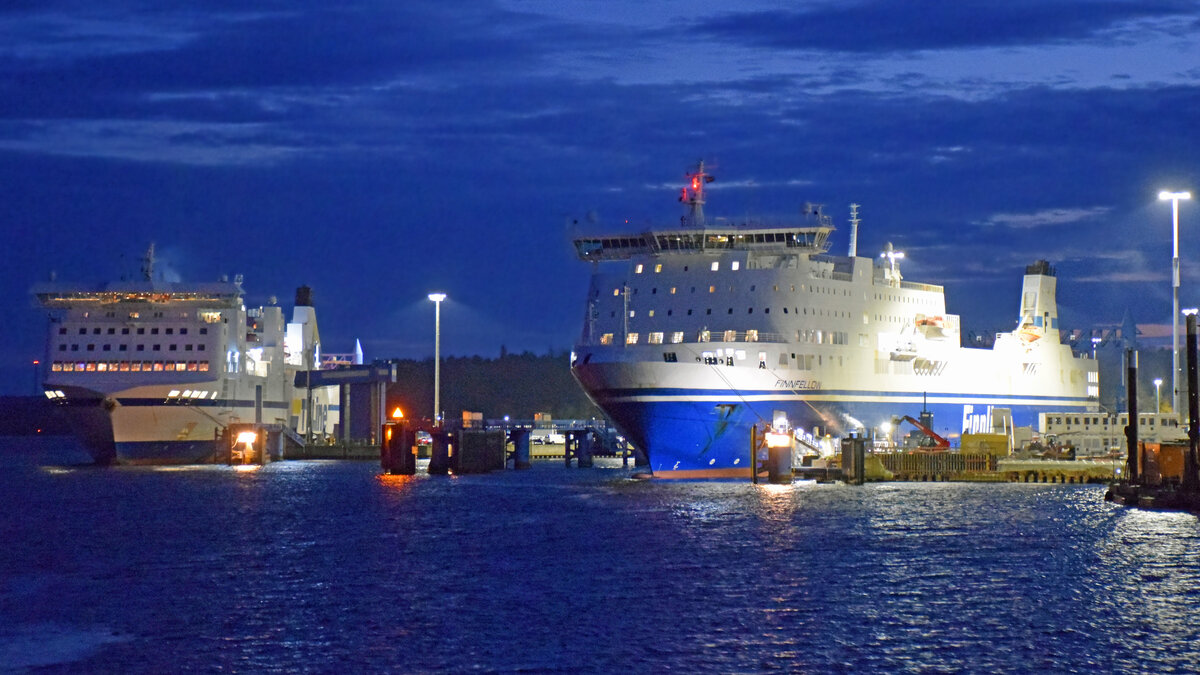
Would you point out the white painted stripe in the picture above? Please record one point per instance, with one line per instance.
(847, 399)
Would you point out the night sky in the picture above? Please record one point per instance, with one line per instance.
(377, 151)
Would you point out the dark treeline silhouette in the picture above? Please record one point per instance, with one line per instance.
(517, 385)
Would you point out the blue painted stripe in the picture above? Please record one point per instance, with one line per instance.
(819, 393)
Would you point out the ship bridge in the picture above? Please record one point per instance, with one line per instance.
(807, 240)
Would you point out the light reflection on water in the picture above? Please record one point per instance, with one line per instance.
(330, 565)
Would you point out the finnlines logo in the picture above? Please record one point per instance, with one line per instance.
(976, 423)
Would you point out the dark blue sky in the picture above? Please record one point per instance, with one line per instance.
(380, 150)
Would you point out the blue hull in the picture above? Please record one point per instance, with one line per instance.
(711, 439)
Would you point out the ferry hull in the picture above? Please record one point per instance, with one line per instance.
(705, 433)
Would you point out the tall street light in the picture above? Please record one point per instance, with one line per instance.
(437, 299)
(1174, 197)
(1157, 400)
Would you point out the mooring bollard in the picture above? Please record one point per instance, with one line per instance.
(520, 441)
(439, 458)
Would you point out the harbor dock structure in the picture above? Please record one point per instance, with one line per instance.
(1162, 475)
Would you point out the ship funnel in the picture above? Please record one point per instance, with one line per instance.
(304, 297)
(1039, 308)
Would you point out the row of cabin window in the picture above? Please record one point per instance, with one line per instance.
(128, 366)
(139, 347)
(750, 310)
(733, 289)
(801, 361)
(832, 337)
(140, 331)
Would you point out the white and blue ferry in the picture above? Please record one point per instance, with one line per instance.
(695, 334)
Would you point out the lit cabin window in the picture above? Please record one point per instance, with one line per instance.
(616, 292)
(716, 266)
(712, 289)
(705, 336)
(638, 269)
(631, 313)
(752, 336)
(655, 338)
(658, 268)
(734, 265)
(651, 312)
(672, 290)
(730, 336)
(631, 339)
(677, 337)
(606, 339)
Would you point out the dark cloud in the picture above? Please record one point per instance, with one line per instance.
(887, 26)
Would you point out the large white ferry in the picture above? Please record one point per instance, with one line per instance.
(697, 333)
(153, 372)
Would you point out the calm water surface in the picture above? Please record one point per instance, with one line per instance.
(328, 566)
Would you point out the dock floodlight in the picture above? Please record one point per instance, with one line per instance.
(437, 297)
(1174, 198)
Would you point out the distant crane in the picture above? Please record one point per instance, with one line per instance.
(933, 440)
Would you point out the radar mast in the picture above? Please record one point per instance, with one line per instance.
(692, 196)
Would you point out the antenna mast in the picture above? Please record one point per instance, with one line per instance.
(854, 230)
(148, 263)
(693, 196)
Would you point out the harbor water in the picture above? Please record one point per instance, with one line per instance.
(329, 566)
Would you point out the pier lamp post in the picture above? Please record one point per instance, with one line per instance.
(1174, 197)
(1157, 400)
(437, 299)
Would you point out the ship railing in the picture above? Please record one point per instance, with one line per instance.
(917, 286)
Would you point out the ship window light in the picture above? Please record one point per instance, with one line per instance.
(606, 339)
(157, 367)
(638, 269)
(715, 266)
(632, 312)
(631, 339)
(191, 366)
(124, 367)
(672, 290)
(705, 336)
(658, 268)
(174, 393)
(204, 369)
(101, 367)
(712, 289)
(655, 338)
(677, 337)
(56, 366)
(616, 292)
(752, 336)
(733, 265)
(730, 336)
(651, 313)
